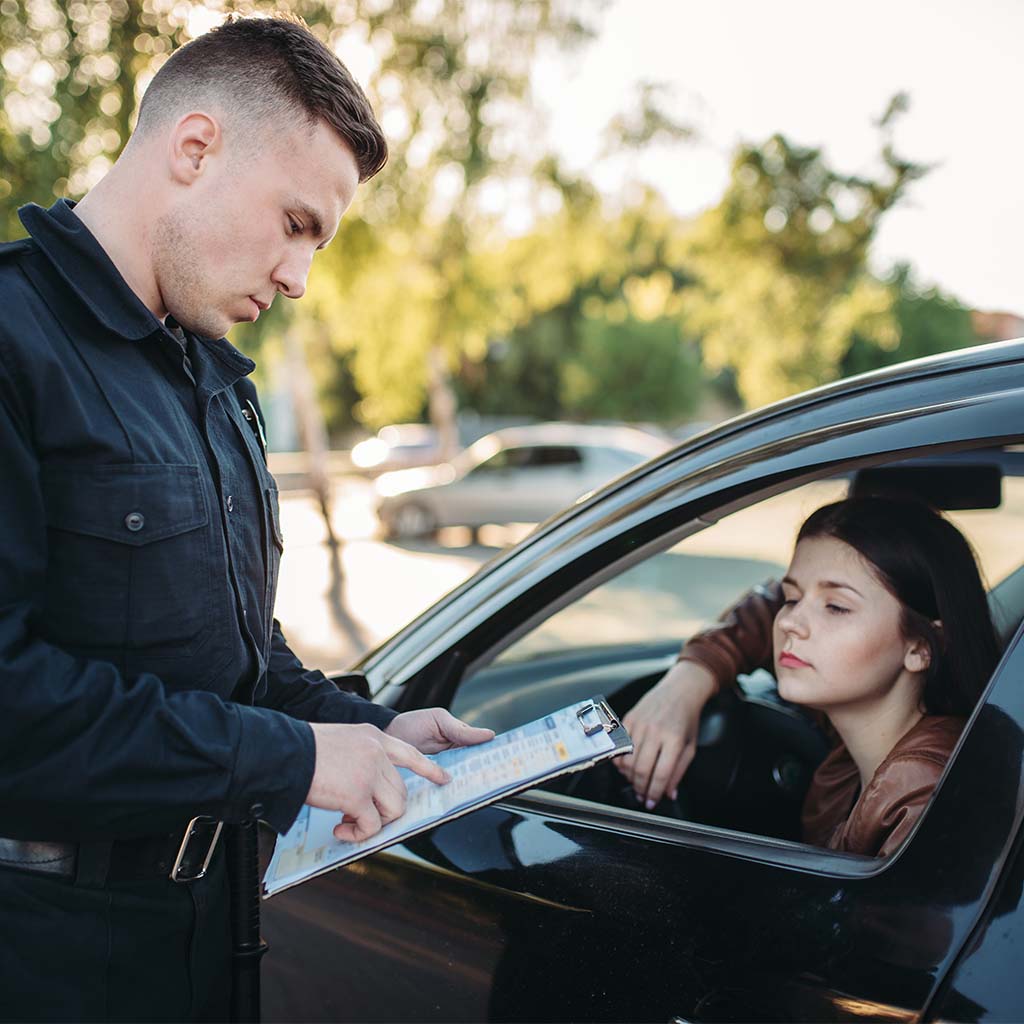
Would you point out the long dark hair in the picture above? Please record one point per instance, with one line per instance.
(925, 562)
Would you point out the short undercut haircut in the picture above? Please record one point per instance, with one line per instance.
(268, 70)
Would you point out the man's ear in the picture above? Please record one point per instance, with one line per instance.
(195, 138)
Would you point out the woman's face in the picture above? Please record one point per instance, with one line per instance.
(838, 642)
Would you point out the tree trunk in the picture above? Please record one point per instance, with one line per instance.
(312, 430)
(442, 403)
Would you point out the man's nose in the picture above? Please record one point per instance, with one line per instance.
(290, 276)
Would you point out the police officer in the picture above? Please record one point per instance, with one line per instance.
(143, 679)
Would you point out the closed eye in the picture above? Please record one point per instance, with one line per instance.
(836, 609)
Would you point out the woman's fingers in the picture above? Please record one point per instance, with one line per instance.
(661, 771)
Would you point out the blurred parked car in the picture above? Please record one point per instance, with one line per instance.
(519, 475)
(399, 446)
(571, 901)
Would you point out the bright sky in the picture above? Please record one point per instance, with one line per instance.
(820, 72)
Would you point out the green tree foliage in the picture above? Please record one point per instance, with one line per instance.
(782, 262)
(419, 279)
(607, 342)
(928, 321)
(639, 370)
(72, 73)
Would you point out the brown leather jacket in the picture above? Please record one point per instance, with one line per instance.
(836, 814)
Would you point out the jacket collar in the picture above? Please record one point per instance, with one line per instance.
(88, 271)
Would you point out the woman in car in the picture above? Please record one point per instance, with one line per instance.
(882, 625)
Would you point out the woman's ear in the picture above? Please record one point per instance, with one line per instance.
(918, 656)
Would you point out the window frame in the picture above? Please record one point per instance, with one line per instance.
(749, 846)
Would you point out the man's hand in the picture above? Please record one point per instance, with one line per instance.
(663, 726)
(355, 772)
(434, 729)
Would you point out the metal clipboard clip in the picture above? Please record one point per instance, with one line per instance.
(597, 717)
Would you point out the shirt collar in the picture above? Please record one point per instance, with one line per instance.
(86, 268)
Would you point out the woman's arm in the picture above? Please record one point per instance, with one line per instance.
(741, 640)
(663, 724)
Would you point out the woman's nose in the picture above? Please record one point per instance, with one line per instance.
(792, 620)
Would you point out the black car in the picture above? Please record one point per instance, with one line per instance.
(571, 903)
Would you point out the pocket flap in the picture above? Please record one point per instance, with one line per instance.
(135, 505)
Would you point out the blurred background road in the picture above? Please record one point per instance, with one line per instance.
(333, 609)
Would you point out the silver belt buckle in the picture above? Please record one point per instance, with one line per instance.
(202, 828)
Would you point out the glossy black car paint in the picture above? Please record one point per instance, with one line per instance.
(547, 907)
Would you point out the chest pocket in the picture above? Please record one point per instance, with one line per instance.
(129, 559)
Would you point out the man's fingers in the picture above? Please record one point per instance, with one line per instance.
(389, 800)
(405, 756)
(358, 825)
(464, 735)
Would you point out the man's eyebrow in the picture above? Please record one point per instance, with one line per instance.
(316, 224)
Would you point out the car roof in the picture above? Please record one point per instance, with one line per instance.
(630, 438)
(407, 433)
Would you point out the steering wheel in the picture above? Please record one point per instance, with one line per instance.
(713, 770)
(754, 761)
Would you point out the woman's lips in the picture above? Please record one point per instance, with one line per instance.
(790, 660)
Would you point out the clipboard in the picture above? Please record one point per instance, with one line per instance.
(568, 740)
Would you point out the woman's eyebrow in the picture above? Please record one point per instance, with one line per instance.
(826, 584)
(839, 585)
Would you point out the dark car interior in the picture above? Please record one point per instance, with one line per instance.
(756, 754)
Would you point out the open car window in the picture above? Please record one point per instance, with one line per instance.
(756, 755)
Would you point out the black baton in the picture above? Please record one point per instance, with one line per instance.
(243, 854)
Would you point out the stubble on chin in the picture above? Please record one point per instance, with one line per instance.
(180, 277)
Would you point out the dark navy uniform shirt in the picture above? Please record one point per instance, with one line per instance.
(143, 678)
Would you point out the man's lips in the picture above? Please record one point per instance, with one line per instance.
(260, 307)
(790, 660)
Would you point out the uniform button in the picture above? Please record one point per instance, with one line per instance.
(231, 503)
(135, 521)
(256, 811)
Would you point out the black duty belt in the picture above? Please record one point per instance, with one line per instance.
(182, 857)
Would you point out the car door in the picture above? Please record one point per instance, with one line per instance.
(548, 907)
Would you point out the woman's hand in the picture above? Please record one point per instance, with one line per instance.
(663, 726)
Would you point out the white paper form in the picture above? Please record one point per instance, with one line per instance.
(479, 775)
